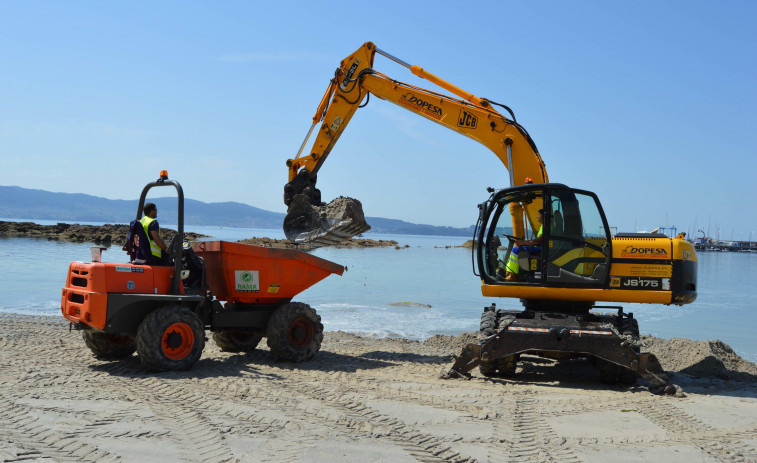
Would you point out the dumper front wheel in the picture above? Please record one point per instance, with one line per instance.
(170, 338)
(236, 341)
(106, 346)
(294, 332)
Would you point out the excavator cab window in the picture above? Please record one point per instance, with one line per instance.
(499, 216)
(578, 248)
(570, 247)
(496, 247)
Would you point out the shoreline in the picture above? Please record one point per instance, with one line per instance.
(360, 399)
(115, 235)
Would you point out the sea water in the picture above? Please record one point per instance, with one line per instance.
(425, 287)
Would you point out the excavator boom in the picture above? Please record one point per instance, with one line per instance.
(311, 221)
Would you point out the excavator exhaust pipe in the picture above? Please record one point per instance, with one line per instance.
(309, 221)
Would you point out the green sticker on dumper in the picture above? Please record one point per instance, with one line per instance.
(246, 281)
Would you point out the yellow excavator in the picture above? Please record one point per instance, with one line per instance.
(544, 243)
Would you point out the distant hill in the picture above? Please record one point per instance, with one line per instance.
(24, 203)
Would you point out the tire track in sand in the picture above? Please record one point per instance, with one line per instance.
(710, 440)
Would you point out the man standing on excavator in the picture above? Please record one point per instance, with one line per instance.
(152, 230)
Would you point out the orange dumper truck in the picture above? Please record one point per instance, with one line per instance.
(239, 292)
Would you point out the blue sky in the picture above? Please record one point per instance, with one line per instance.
(649, 104)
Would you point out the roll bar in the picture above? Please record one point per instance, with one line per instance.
(177, 248)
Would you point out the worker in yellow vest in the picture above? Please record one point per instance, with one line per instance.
(533, 246)
(158, 248)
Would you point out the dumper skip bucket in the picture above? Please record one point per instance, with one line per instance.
(243, 273)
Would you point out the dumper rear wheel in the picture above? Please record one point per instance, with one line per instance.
(170, 338)
(236, 341)
(106, 346)
(294, 332)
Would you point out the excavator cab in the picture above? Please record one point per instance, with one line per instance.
(565, 268)
(574, 248)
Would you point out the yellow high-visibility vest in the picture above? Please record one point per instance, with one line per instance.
(154, 248)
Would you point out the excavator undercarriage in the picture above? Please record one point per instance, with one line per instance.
(610, 342)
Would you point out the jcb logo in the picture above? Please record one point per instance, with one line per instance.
(467, 120)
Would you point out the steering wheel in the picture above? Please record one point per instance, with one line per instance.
(510, 237)
(171, 247)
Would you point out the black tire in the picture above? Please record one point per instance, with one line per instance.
(236, 341)
(630, 327)
(489, 322)
(294, 332)
(504, 367)
(488, 327)
(488, 368)
(170, 338)
(106, 346)
(498, 367)
(610, 373)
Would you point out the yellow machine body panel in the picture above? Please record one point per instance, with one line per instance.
(651, 270)
(576, 294)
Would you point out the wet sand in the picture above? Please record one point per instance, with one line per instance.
(361, 400)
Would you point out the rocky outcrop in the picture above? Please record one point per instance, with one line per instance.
(108, 234)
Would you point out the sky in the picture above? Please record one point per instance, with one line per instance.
(651, 105)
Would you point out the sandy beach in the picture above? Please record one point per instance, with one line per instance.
(361, 400)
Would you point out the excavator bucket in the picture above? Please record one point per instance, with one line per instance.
(327, 225)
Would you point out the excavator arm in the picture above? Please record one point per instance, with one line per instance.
(310, 221)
